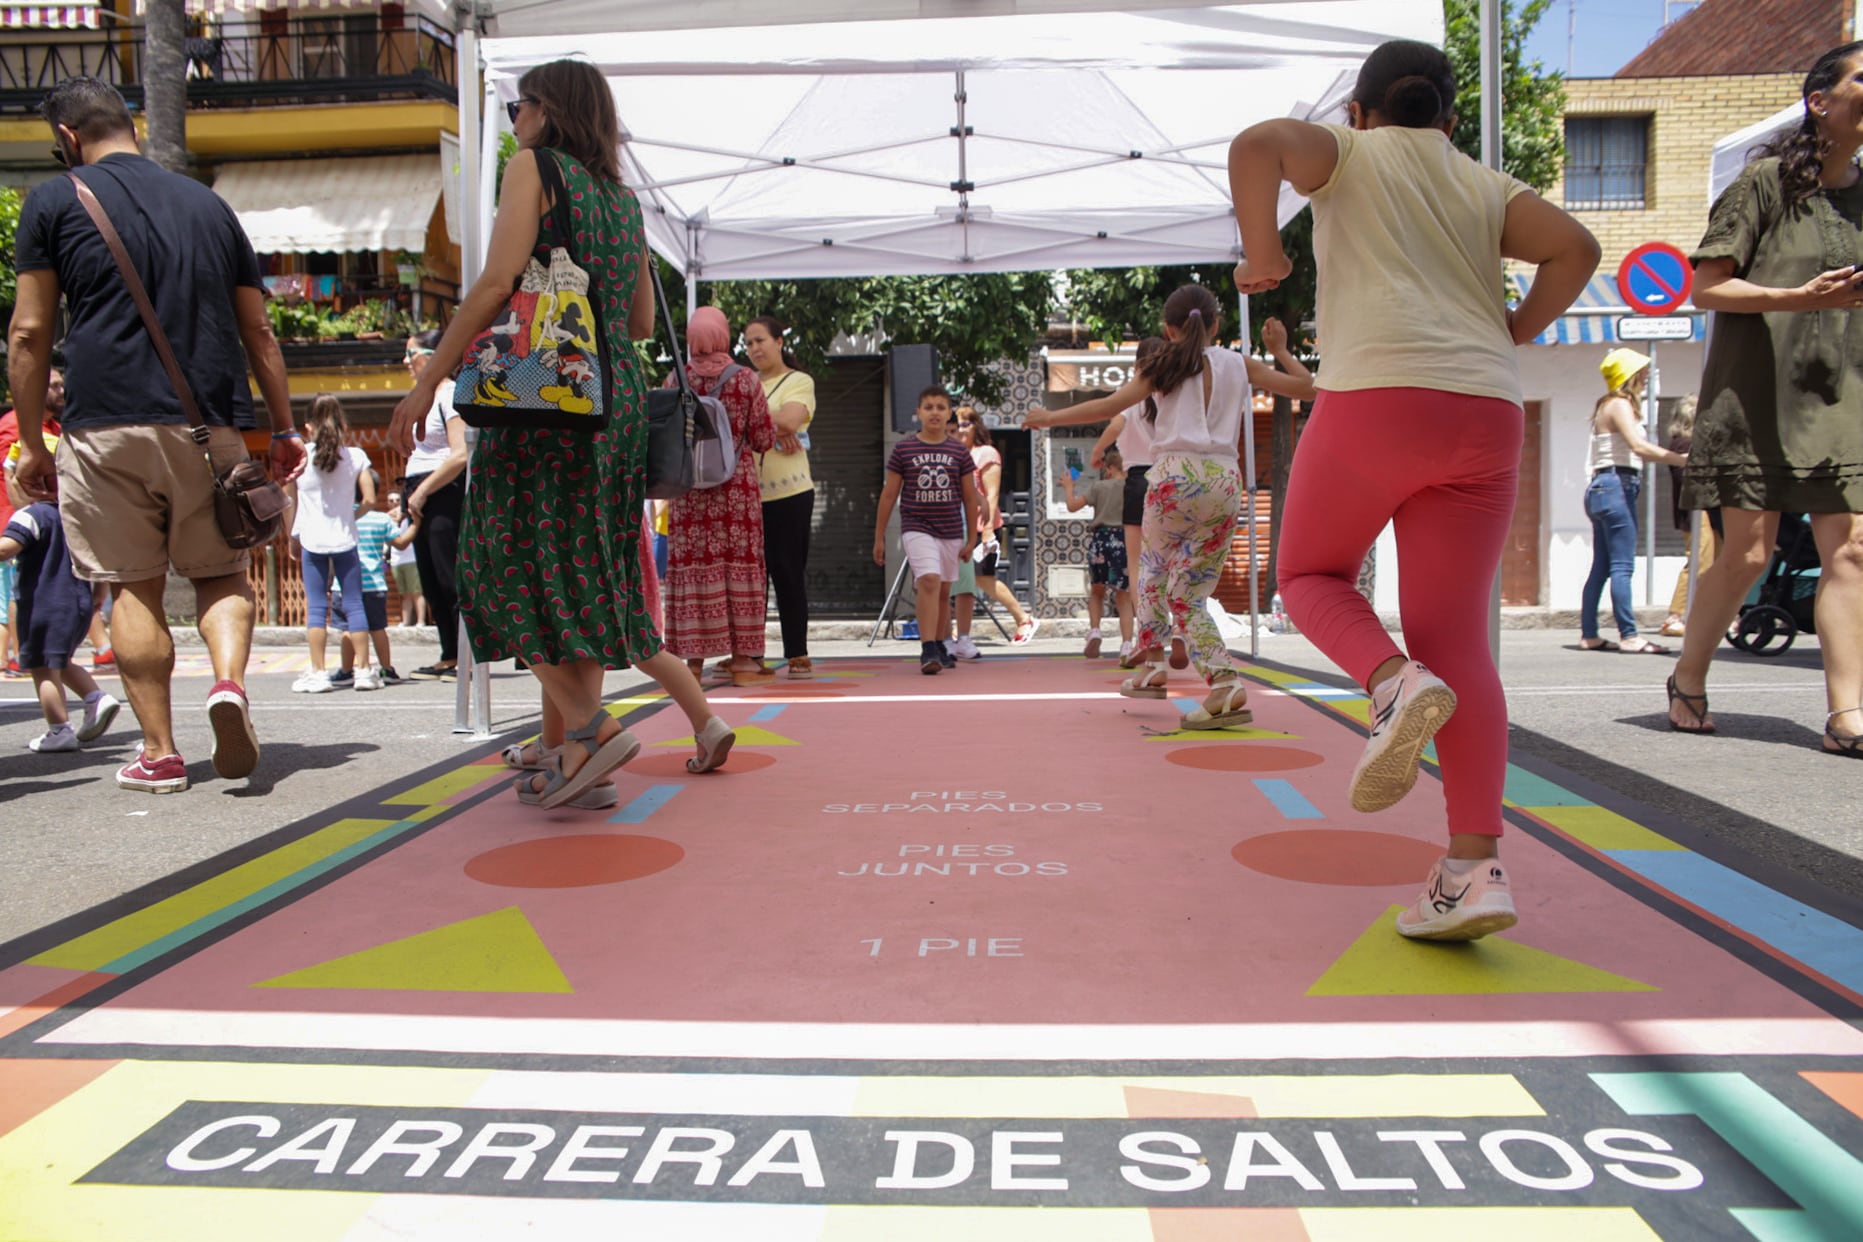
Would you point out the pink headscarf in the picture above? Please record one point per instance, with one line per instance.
(708, 341)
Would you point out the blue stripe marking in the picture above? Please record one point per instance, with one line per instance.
(1288, 800)
(1829, 946)
(768, 713)
(1185, 706)
(637, 811)
(277, 888)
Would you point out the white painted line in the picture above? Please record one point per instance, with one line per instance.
(460, 1033)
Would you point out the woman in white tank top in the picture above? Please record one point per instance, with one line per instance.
(1194, 492)
(1611, 493)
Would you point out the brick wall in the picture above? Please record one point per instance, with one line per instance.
(1687, 116)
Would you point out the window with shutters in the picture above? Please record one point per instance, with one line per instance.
(1606, 162)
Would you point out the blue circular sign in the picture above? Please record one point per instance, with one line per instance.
(1655, 278)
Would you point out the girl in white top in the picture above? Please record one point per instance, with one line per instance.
(1194, 492)
(1418, 423)
(321, 509)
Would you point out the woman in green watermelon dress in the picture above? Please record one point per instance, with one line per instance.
(550, 568)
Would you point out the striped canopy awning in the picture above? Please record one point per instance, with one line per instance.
(1592, 320)
(78, 15)
(435, 10)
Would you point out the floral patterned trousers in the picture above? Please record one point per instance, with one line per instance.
(1191, 507)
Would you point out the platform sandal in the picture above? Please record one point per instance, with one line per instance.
(603, 758)
(597, 797)
(1849, 745)
(1225, 708)
(1688, 702)
(513, 756)
(714, 741)
(1148, 684)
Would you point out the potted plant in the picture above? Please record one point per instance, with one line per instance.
(409, 268)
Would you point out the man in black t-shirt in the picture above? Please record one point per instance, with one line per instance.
(135, 492)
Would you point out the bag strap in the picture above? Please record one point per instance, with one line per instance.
(551, 174)
(198, 426)
(666, 319)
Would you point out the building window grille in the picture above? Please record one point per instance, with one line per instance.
(1606, 162)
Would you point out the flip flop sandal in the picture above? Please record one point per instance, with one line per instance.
(715, 741)
(799, 669)
(1149, 684)
(1700, 713)
(752, 676)
(1603, 645)
(604, 757)
(1849, 745)
(1646, 647)
(715, 676)
(514, 759)
(1231, 710)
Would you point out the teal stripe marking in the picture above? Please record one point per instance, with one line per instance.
(1822, 1178)
(278, 888)
(1288, 800)
(1184, 706)
(637, 811)
(768, 713)
(1526, 789)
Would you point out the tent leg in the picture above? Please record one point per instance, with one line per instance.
(1248, 480)
(886, 611)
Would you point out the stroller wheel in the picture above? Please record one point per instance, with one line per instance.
(1765, 630)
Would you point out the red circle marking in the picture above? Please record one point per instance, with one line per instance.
(1343, 857)
(1636, 262)
(739, 761)
(1256, 758)
(574, 862)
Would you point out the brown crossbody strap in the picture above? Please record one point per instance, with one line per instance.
(144, 306)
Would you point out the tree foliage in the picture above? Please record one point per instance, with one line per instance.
(10, 202)
(973, 321)
(1533, 100)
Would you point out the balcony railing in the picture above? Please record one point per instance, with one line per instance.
(344, 58)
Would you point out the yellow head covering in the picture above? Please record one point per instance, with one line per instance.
(1620, 366)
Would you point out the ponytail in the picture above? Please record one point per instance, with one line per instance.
(329, 429)
(1147, 350)
(1801, 151)
(1192, 311)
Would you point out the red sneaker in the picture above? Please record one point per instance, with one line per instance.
(235, 745)
(158, 776)
(104, 659)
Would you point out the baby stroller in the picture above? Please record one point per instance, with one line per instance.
(1782, 603)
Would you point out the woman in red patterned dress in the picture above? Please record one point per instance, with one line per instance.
(715, 580)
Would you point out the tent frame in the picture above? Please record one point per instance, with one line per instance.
(478, 151)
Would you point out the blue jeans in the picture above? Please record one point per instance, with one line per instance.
(343, 568)
(1611, 504)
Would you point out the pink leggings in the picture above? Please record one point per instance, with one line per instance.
(1443, 467)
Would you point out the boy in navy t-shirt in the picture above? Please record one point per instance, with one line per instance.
(53, 614)
(933, 480)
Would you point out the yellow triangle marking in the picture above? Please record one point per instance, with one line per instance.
(497, 952)
(747, 735)
(1383, 963)
(1247, 734)
(447, 785)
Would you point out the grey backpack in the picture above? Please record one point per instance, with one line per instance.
(714, 448)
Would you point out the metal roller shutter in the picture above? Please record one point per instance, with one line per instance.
(847, 458)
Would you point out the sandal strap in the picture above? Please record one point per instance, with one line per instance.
(588, 732)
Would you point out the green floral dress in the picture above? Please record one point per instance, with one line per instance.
(549, 551)
(1780, 428)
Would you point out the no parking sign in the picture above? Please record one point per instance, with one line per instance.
(1655, 278)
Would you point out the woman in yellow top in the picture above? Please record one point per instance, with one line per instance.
(788, 487)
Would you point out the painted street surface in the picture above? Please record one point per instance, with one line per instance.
(987, 955)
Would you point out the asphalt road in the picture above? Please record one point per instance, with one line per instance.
(72, 840)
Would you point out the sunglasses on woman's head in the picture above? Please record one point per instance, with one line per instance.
(511, 109)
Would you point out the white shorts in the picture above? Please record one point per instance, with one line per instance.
(928, 554)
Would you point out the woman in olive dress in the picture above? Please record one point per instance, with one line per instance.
(1780, 425)
(549, 564)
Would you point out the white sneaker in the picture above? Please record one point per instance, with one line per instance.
(1406, 712)
(1460, 906)
(1025, 633)
(99, 715)
(54, 740)
(369, 678)
(312, 681)
(1092, 650)
(965, 648)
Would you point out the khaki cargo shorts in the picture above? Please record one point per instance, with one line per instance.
(138, 499)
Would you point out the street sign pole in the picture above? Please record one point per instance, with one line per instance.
(1649, 490)
(1654, 279)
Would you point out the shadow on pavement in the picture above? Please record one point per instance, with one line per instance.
(284, 759)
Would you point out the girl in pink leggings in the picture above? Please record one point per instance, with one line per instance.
(1418, 424)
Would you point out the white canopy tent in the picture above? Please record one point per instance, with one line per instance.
(1730, 153)
(890, 137)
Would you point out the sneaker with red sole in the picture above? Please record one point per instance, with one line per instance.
(104, 659)
(157, 776)
(235, 745)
